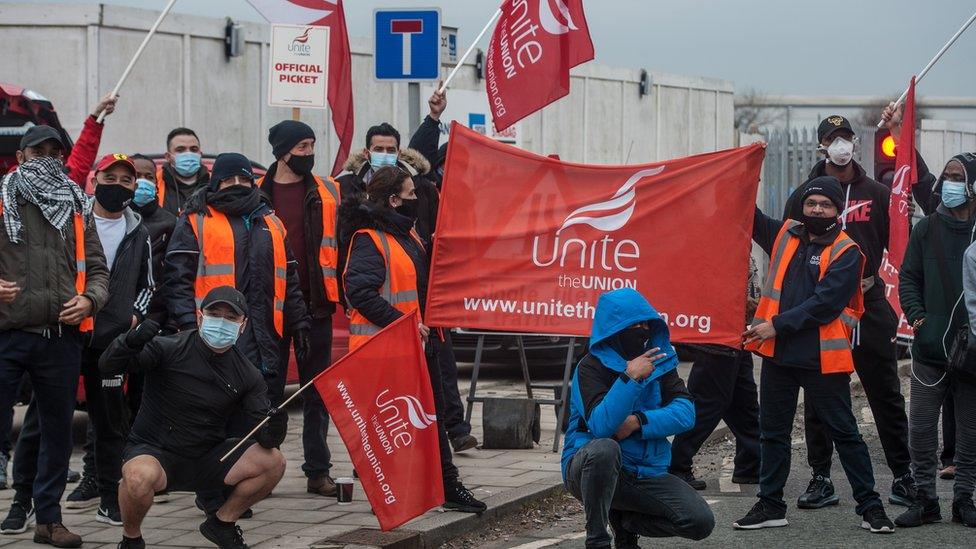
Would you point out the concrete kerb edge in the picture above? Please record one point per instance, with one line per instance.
(904, 370)
(437, 530)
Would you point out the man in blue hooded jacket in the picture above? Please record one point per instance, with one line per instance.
(626, 400)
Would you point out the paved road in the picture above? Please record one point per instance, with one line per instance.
(831, 527)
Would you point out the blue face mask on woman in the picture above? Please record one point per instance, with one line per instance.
(187, 163)
(145, 192)
(219, 333)
(953, 194)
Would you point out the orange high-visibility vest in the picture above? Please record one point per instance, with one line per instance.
(88, 324)
(160, 187)
(399, 288)
(328, 191)
(215, 238)
(835, 336)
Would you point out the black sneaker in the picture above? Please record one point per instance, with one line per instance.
(223, 535)
(761, 517)
(622, 538)
(820, 493)
(921, 511)
(84, 496)
(109, 514)
(131, 543)
(877, 521)
(19, 519)
(210, 506)
(963, 511)
(903, 491)
(459, 498)
(689, 478)
(463, 443)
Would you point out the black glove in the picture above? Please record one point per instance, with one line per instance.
(142, 334)
(302, 344)
(273, 433)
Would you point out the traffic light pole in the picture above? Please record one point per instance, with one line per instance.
(934, 60)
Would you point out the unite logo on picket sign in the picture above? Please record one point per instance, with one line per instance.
(395, 417)
(599, 254)
(299, 46)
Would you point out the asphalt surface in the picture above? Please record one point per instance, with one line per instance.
(560, 523)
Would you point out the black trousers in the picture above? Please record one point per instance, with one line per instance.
(53, 364)
(108, 427)
(877, 367)
(724, 388)
(449, 472)
(315, 425)
(948, 455)
(830, 395)
(453, 407)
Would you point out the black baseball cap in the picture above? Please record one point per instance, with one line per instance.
(227, 295)
(831, 124)
(39, 134)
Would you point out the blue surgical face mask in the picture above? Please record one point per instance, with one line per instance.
(378, 159)
(145, 192)
(219, 333)
(953, 194)
(187, 163)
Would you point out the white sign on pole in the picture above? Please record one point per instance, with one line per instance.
(299, 71)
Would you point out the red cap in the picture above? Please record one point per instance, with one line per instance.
(110, 160)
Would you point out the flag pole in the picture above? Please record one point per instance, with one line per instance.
(460, 62)
(280, 410)
(132, 62)
(934, 60)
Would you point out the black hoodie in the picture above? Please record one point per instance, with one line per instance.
(866, 221)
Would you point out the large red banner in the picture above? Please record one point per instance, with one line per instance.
(906, 174)
(888, 274)
(379, 398)
(527, 243)
(534, 45)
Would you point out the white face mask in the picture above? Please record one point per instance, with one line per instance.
(840, 152)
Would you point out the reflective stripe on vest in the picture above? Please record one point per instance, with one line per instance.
(835, 336)
(399, 287)
(328, 256)
(215, 267)
(81, 268)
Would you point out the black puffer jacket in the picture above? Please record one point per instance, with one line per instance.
(131, 284)
(365, 271)
(254, 274)
(319, 304)
(160, 224)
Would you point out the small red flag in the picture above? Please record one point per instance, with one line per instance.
(534, 45)
(380, 399)
(906, 174)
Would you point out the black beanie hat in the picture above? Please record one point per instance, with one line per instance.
(284, 135)
(827, 186)
(968, 161)
(228, 165)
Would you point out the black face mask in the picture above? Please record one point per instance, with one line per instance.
(114, 198)
(408, 209)
(302, 165)
(819, 226)
(631, 343)
(237, 200)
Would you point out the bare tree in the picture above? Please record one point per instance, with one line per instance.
(869, 116)
(751, 113)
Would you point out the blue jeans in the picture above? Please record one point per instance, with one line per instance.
(830, 396)
(53, 365)
(663, 506)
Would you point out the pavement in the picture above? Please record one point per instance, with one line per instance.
(292, 518)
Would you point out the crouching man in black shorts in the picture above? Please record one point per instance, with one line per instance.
(195, 381)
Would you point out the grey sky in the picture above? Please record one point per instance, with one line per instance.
(775, 46)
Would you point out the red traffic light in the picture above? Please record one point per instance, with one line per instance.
(888, 146)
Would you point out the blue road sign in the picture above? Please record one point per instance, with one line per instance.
(407, 44)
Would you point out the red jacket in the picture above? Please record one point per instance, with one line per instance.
(84, 152)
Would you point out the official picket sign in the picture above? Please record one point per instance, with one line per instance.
(533, 251)
(298, 74)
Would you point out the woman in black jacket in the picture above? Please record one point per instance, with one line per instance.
(389, 208)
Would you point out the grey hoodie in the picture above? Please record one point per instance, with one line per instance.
(969, 284)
